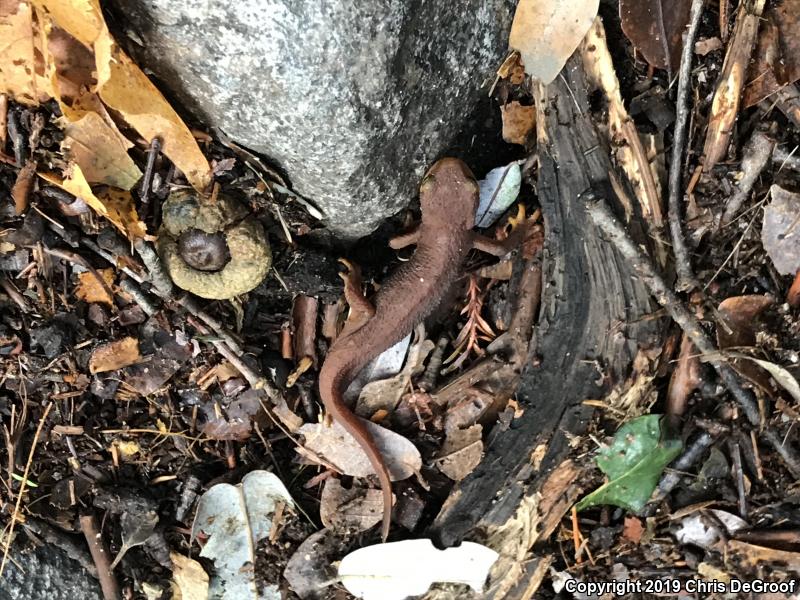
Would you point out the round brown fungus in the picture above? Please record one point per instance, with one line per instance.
(210, 247)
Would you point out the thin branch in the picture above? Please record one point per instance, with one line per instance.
(99, 551)
(15, 515)
(683, 263)
(601, 214)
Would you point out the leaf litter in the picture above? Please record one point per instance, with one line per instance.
(148, 399)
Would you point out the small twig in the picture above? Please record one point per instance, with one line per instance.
(672, 477)
(576, 536)
(601, 214)
(139, 296)
(190, 304)
(3, 116)
(431, 374)
(111, 259)
(790, 160)
(255, 380)
(736, 455)
(304, 318)
(755, 157)
(108, 582)
(683, 264)
(17, 135)
(149, 172)
(15, 515)
(14, 294)
(158, 274)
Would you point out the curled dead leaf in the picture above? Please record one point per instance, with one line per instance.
(546, 33)
(656, 28)
(519, 122)
(354, 509)
(114, 355)
(115, 205)
(341, 449)
(125, 88)
(90, 290)
(461, 452)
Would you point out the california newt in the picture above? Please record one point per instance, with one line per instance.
(448, 199)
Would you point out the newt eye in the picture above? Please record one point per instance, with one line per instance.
(427, 183)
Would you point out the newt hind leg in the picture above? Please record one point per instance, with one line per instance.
(361, 309)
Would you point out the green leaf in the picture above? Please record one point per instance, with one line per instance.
(21, 479)
(633, 463)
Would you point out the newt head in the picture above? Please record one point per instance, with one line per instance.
(449, 193)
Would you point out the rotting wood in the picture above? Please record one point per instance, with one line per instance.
(727, 96)
(587, 292)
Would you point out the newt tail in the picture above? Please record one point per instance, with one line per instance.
(448, 198)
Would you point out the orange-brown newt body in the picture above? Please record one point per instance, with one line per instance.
(448, 199)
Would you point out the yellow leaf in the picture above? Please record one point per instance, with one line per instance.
(82, 19)
(17, 74)
(90, 290)
(100, 152)
(188, 577)
(125, 88)
(114, 355)
(115, 205)
(547, 32)
(126, 449)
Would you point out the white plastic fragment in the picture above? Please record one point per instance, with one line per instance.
(400, 569)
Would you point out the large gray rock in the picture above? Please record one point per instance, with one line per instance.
(47, 574)
(353, 98)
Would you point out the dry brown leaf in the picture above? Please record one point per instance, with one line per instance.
(340, 448)
(518, 122)
(353, 509)
(761, 80)
(82, 19)
(17, 76)
(90, 290)
(115, 205)
(461, 452)
(547, 32)
(707, 45)
(780, 231)
(633, 529)
(69, 63)
(793, 295)
(385, 394)
(725, 105)
(126, 449)
(656, 28)
(739, 316)
(512, 69)
(121, 85)
(114, 355)
(23, 186)
(787, 17)
(189, 577)
(753, 556)
(777, 55)
(125, 88)
(100, 152)
(684, 380)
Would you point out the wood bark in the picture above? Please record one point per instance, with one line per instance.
(590, 328)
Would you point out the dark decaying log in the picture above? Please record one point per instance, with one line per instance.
(588, 332)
